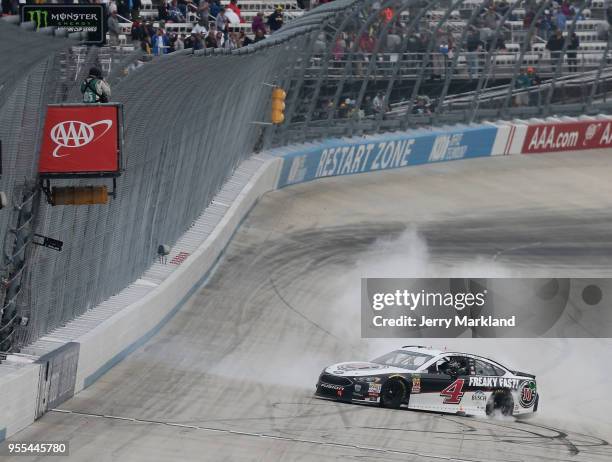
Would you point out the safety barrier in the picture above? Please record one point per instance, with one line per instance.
(111, 340)
(383, 152)
(18, 396)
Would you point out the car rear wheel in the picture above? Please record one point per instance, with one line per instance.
(500, 402)
(392, 394)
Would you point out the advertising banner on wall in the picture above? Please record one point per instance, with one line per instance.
(339, 157)
(89, 19)
(81, 140)
(567, 136)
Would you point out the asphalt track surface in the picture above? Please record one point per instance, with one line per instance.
(231, 376)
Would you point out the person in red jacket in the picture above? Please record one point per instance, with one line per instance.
(233, 5)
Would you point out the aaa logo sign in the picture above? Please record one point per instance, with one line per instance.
(80, 139)
(76, 134)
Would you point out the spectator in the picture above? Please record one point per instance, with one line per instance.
(185, 6)
(344, 108)
(259, 36)
(502, 9)
(603, 29)
(200, 27)
(533, 75)
(179, 44)
(191, 41)
(545, 25)
(161, 43)
(490, 19)
(137, 31)
(113, 28)
(378, 103)
(197, 41)
(221, 21)
(354, 112)
(258, 23)
(162, 12)
(422, 106)
(123, 8)
(366, 43)
(534, 95)
(94, 88)
(220, 39)
(233, 5)
(474, 47)
(146, 45)
(439, 55)
(275, 20)
(566, 9)
(572, 47)
(367, 105)
(112, 6)
(523, 82)
(204, 12)
(560, 20)
(174, 12)
(135, 7)
(244, 39)
(211, 39)
(141, 30)
(215, 7)
(231, 43)
(338, 49)
(528, 19)
(555, 46)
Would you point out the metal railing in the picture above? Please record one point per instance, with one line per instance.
(469, 65)
(370, 71)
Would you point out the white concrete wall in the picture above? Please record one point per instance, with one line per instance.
(118, 336)
(18, 397)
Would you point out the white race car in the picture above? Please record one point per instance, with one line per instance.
(432, 380)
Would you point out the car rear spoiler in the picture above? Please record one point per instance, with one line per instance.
(524, 374)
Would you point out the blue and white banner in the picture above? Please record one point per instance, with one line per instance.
(341, 157)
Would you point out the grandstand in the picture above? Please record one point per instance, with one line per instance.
(437, 28)
(149, 11)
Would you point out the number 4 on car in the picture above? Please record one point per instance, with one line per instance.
(422, 378)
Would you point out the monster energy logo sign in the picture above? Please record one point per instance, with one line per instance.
(39, 17)
(72, 18)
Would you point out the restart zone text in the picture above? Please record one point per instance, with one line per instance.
(432, 380)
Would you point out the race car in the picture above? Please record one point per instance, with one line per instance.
(433, 380)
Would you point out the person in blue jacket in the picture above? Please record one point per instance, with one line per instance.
(161, 43)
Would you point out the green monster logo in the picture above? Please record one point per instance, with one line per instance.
(40, 17)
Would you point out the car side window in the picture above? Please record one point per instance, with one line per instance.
(485, 368)
(499, 371)
(450, 365)
(439, 366)
(463, 363)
